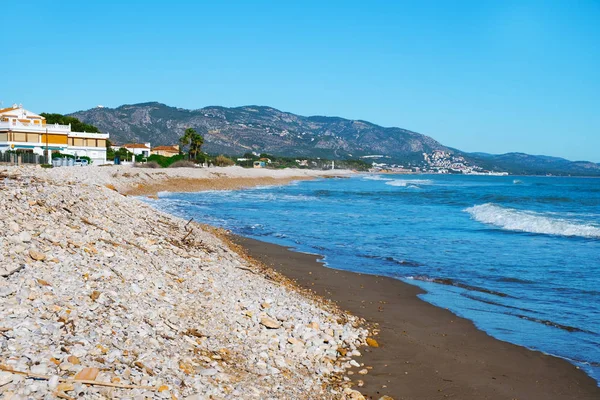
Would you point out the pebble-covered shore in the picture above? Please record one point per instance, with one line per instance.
(102, 296)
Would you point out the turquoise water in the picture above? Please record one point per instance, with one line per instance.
(518, 256)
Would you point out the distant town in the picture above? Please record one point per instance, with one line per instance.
(436, 162)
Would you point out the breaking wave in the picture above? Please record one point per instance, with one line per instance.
(409, 182)
(376, 178)
(530, 222)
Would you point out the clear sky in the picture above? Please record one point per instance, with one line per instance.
(493, 76)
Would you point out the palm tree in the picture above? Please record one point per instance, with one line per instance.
(196, 142)
(186, 139)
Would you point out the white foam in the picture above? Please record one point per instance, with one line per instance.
(409, 182)
(531, 222)
(376, 178)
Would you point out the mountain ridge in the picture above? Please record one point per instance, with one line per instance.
(264, 129)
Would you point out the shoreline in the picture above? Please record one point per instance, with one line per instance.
(425, 351)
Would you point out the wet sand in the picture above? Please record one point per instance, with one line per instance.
(179, 185)
(427, 352)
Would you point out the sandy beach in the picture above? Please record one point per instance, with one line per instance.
(102, 296)
(426, 352)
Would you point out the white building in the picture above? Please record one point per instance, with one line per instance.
(27, 132)
(138, 148)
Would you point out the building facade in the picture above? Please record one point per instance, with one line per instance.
(138, 149)
(24, 131)
(167, 151)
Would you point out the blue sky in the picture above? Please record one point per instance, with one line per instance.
(493, 76)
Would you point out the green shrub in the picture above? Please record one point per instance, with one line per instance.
(164, 161)
(46, 165)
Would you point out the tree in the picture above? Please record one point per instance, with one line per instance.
(76, 125)
(196, 143)
(185, 140)
(192, 139)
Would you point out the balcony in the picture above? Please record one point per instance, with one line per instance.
(31, 127)
(88, 135)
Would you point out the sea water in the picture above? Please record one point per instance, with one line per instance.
(518, 256)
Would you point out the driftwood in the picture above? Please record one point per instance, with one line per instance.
(69, 380)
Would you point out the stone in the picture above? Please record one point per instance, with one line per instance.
(24, 237)
(65, 387)
(386, 398)
(73, 360)
(363, 371)
(270, 323)
(87, 374)
(207, 372)
(37, 255)
(5, 378)
(372, 342)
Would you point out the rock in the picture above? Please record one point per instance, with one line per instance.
(13, 226)
(208, 372)
(363, 371)
(5, 378)
(372, 342)
(95, 294)
(8, 270)
(314, 325)
(73, 360)
(53, 382)
(386, 398)
(350, 394)
(87, 374)
(270, 323)
(37, 255)
(24, 237)
(64, 387)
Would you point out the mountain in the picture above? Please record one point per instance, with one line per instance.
(527, 164)
(262, 129)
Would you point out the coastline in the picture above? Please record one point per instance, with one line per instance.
(426, 352)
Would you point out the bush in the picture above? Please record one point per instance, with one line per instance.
(150, 164)
(222, 161)
(46, 165)
(183, 164)
(164, 161)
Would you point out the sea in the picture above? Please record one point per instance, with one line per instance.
(519, 256)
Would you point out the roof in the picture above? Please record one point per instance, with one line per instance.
(169, 148)
(20, 112)
(135, 146)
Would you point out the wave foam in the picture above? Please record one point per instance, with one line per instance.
(409, 182)
(530, 222)
(376, 178)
